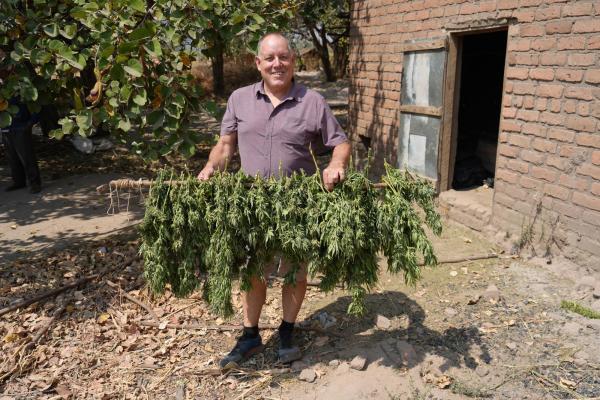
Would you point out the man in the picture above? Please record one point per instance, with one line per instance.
(18, 143)
(274, 124)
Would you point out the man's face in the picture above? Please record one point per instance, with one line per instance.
(275, 63)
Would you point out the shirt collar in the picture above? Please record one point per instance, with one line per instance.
(259, 88)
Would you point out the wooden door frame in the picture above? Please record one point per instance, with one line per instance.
(452, 86)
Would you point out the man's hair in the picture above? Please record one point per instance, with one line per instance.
(281, 35)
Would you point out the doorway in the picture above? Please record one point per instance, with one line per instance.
(480, 75)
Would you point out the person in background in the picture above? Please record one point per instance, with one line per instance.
(18, 143)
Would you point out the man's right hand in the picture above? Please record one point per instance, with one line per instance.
(206, 173)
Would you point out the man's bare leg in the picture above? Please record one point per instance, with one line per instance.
(253, 301)
(292, 297)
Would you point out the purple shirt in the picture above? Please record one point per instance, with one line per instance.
(278, 139)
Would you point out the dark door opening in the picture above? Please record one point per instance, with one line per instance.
(480, 100)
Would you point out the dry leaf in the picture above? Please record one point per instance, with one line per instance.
(102, 318)
(70, 308)
(444, 382)
(567, 383)
(13, 227)
(11, 337)
(163, 325)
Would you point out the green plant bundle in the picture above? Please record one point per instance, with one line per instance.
(230, 226)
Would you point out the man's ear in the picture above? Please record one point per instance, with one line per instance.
(257, 62)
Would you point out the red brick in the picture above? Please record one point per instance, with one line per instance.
(517, 73)
(542, 74)
(486, 6)
(589, 170)
(546, 146)
(529, 102)
(532, 157)
(507, 176)
(469, 8)
(573, 182)
(543, 44)
(517, 101)
(587, 26)
(587, 201)
(581, 93)
(552, 118)
(534, 129)
(547, 90)
(596, 157)
(592, 76)
(525, 59)
(570, 106)
(571, 43)
(546, 13)
(561, 135)
(526, 115)
(557, 162)
(583, 109)
(508, 151)
(522, 15)
(567, 209)
(543, 173)
(510, 126)
(541, 104)
(596, 188)
(594, 42)
(519, 45)
(576, 9)
(553, 59)
(529, 3)
(555, 105)
(560, 26)
(519, 140)
(556, 191)
(507, 4)
(582, 60)
(585, 124)
(529, 183)
(587, 140)
(569, 75)
(518, 166)
(531, 30)
(523, 88)
(509, 112)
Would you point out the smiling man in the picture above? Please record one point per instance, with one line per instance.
(274, 123)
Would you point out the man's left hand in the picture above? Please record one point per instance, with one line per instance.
(333, 175)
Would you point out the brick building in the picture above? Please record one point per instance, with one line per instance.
(498, 91)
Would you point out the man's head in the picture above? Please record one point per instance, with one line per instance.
(275, 61)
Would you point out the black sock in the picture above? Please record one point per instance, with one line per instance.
(250, 332)
(285, 334)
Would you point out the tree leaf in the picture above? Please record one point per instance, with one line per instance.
(124, 125)
(69, 31)
(5, 119)
(51, 29)
(137, 5)
(133, 68)
(140, 98)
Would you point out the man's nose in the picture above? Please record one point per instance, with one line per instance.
(277, 62)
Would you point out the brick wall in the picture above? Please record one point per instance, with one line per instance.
(549, 144)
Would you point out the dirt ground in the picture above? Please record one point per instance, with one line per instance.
(488, 328)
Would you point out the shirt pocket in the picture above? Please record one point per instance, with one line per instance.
(293, 132)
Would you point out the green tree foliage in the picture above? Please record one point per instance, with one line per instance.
(327, 23)
(230, 226)
(122, 65)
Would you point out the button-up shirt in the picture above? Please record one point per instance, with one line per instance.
(276, 141)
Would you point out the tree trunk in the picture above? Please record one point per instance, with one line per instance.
(340, 58)
(321, 47)
(217, 70)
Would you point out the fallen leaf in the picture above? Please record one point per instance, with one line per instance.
(567, 383)
(13, 227)
(467, 240)
(453, 273)
(444, 382)
(163, 325)
(102, 318)
(70, 308)
(11, 337)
